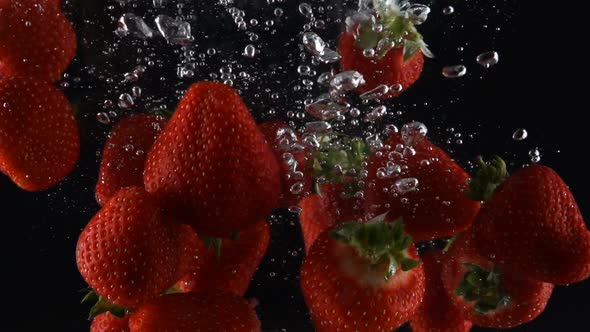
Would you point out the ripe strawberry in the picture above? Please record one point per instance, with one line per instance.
(490, 295)
(212, 161)
(437, 313)
(126, 253)
(234, 268)
(36, 39)
(362, 276)
(191, 251)
(189, 312)
(295, 173)
(532, 225)
(109, 323)
(314, 219)
(437, 207)
(340, 204)
(125, 152)
(39, 139)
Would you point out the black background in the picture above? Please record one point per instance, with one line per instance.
(539, 84)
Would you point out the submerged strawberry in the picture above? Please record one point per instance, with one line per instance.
(108, 322)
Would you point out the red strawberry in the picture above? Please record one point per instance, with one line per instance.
(314, 219)
(437, 207)
(125, 152)
(36, 39)
(191, 251)
(126, 253)
(437, 313)
(190, 312)
(295, 173)
(532, 224)
(362, 277)
(488, 295)
(214, 163)
(109, 323)
(39, 139)
(339, 204)
(234, 268)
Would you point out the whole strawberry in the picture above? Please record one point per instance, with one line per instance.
(190, 312)
(362, 276)
(418, 181)
(126, 253)
(39, 138)
(125, 152)
(213, 163)
(36, 39)
(532, 225)
(437, 313)
(488, 294)
(107, 322)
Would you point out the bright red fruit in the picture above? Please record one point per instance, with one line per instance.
(362, 277)
(294, 170)
(36, 39)
(233, 270)
(437, 206)
(125, 152)
(213, 162)
(532, 224)
(190, 312)
(339, 204)
(39, 138)
(109, 323)
(314, 218)
(437, 313)
(126, 253)
(488, 295)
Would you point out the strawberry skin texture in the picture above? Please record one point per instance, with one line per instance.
(124, 154)
(314, 219)
(528, 297)
(36, 39)
(109, 323)
(437, 313)
(343, 294)
(286, 198)
(39, 138)
(340, 207)
(438, 207)
(533, 225)
(233, 271)
(390, 69)
(190, 312)
(126, 253)
(213, 162)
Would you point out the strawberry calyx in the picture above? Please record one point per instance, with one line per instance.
(215, 243)
(386, 25)
(489, 176)
(482, 287)
(380, 242)
(102, 305)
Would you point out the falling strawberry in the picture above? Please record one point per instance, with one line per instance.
(362, 276)
(39, 138)
(437, 313)
(490, 295)
(36, 39)
(109, 323)
(294, 170)
(125, 152)
(126, 253)
(213, 163)
(532, 224)
(189, 312)
(421, 183)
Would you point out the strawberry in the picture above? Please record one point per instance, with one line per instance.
(532, 225)
(192, 253)
(295, 175)
(212, 163)
(490, 295)
(189, 312)
(314, 219)
(125, 152)
(362, 276)
(36, 39)
(233, 269)
(340, 204)
(437, 313)
(435, 207)
(108, 322)
(39, 138)
(126, 253)
(398, 49)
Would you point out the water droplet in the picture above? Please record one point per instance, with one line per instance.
(318, 127)
(404, 186)
(125, 101)
(347, 81)
(448, 10)
(417, 13)
(297, 188)
(306, 10)
(376, 93)
(454, 71)
(413, 132)
(278, 12)
(131, 24)
(249, 51)
(488, 59)
(369, 53)
(329, 56)
(390, 129)
(174, 31)
(326, 78)
(314, 43)
(377, 113)
(103, 118)
(303, 70)
(520, 134)
(535, 155)
(295, 209)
